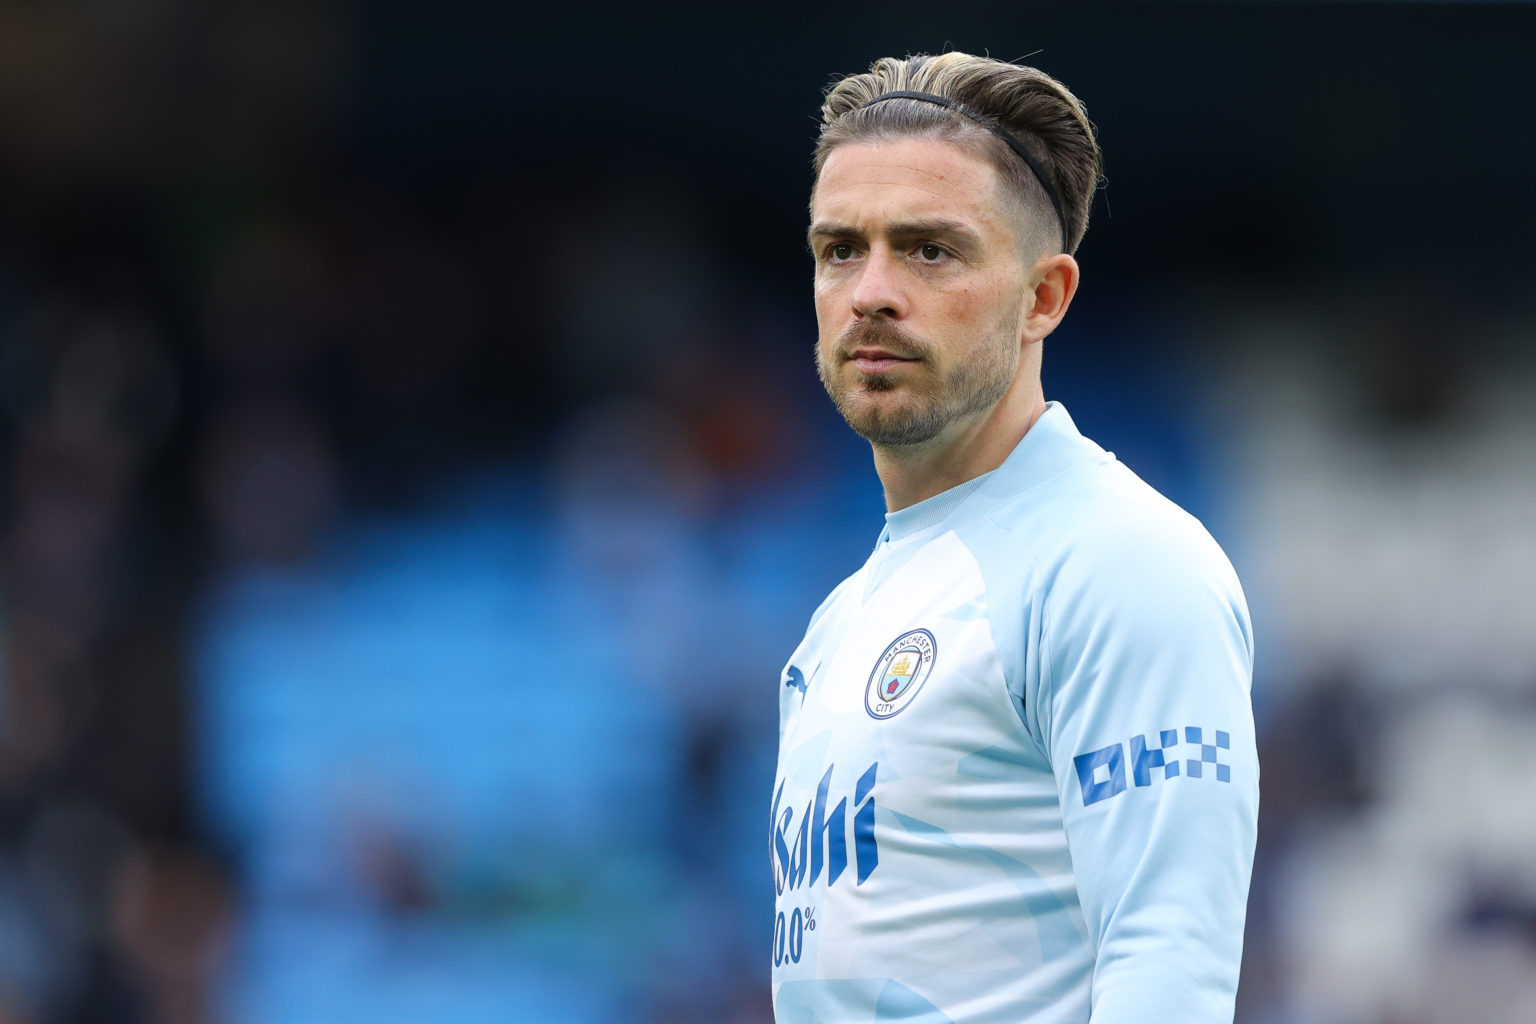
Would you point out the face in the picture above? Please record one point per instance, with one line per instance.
(920, 288)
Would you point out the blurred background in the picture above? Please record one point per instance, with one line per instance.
(414, 478)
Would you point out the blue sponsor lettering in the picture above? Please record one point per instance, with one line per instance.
(864, 824)
(1101, 773)
(1111, 758)
(1144, 759)
(830, 829)
(820, 839)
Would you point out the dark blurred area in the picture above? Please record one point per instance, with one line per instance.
(415, 477)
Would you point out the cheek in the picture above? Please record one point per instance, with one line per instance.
(960, 314)
(826, 289)
(827, 327)
(830, 310)
(976, 310)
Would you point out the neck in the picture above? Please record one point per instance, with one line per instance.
(965, 450)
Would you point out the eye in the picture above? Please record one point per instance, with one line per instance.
(840, 251)
(931, 253)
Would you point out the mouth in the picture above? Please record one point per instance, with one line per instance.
(877, 360)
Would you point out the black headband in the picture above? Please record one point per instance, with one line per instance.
(992, 126)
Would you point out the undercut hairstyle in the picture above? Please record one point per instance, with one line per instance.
(1034, 108)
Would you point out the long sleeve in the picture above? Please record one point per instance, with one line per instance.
(1148, 717)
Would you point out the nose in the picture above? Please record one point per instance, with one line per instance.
(878, 291)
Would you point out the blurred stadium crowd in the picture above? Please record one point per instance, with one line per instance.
(411, 496)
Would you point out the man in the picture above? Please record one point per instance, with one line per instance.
(1017, 778)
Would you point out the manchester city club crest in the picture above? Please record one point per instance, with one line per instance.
(900, 673)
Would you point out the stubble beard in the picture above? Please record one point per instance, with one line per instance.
(972, 386)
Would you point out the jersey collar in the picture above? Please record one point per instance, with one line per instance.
(1052, 445)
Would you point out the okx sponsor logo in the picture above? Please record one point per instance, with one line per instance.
(1102, 773)
(820, 838)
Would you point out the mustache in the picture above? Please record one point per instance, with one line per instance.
(881, 334)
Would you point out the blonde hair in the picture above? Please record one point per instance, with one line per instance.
(1038, 111)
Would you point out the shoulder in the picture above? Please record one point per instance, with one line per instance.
(1125, 531)
(1110, 550)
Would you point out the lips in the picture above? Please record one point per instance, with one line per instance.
(877, 360)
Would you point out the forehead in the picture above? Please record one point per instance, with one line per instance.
(869, 183)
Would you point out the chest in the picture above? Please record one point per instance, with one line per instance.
(902, 670)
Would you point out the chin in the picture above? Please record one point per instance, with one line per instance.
(889, 420)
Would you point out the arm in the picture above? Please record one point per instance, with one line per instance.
(1150, 732)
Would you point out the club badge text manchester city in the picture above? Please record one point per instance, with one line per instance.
(900, 673)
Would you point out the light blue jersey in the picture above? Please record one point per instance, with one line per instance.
(1017, 777)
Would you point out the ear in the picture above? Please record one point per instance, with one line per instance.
(1053, 282)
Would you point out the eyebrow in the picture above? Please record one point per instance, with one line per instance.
(902, 229)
